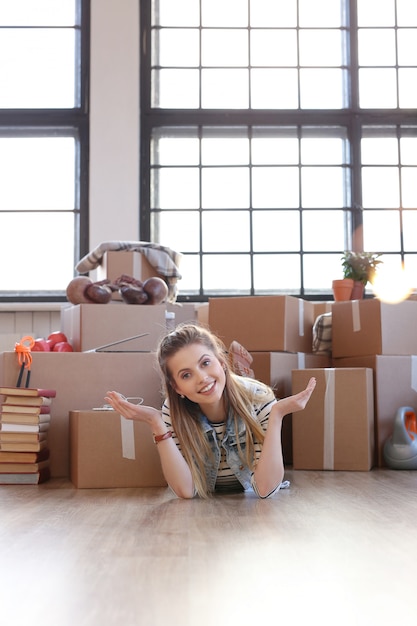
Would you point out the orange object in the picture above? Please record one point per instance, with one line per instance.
(24, 356)
(411, 423)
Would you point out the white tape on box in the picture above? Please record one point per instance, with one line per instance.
(301, 360)
(301, 317)
(414, 373)
(128, 438)
(329, 410)
(356, 316)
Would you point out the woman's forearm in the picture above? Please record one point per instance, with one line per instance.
(269, 470)
(175, 469)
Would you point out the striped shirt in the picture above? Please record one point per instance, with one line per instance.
(226, 479)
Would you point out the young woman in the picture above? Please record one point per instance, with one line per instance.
(216, 430)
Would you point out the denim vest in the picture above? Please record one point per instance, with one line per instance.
(230, 444)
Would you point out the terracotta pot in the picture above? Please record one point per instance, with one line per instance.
(357, 291)
(342, 289)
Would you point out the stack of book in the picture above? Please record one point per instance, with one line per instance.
(25, 416)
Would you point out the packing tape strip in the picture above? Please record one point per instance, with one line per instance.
(356, 316)
(128, 438)
(329, 409)
(301, 360)
(301, 317)
(414, 373)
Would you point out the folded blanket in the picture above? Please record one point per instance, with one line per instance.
(163, 259)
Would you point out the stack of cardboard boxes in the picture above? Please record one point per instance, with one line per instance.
(369, 374)
(93, 447)
(277, 331)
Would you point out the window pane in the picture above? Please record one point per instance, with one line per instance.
(190, 272)
(175, 151)
(176, 47)
(407, 48)
(178, 13)
(37, 68)
(276, 230)
(226, 272)
(409, 232)
(321, 47)
(380, 187)
(275, 187)
(322, 89)
(271, 13)
(376, 47)
(380, 150)
(224, 47)
(320, 13)
(37, 174)
(274, 89)
(180, 228)
(175, 89)
(408, 147)
(322, 187)
(381, 230)
(225, 188)
(323, 230)
(409, 187)
(407, 80)
(225, 151)
(322, 150)
(320, 270)
(175, 188)
(274, 150)
(39, 13)
(220, 13)
(273, 47)
(276, 272)
(224, 89)
(40, 259)
(368, 16)
(225, 231)
(377, 88)
(406, 13)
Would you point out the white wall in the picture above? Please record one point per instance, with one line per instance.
(114, 121)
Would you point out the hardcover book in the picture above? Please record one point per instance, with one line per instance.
(27, 391)
(16, 408)
(23, 428)
(23, 418)
(23, 468)
(27, 400)
(36, 478)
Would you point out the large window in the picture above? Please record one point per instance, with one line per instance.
(275, 135)
(43, 145)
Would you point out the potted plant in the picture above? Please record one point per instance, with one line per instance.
(358, 269)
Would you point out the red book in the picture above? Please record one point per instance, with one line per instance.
(27, 391)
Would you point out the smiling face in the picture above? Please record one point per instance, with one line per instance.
(198, 375)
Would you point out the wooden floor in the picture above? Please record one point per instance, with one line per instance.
(336, 548)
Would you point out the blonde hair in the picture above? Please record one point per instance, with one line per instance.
(185, 415)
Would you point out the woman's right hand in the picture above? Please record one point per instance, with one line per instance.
(131, 411)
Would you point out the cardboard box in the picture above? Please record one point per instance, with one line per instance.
(81, 381)
(183, 311)
(130, 262)
(107, 451)
(336, 429)
(263, 323)
(395, 385)
(89, 326)
(366, 327)
(275, 369)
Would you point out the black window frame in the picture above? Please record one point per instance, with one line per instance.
(33, 122)
(353, 118)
